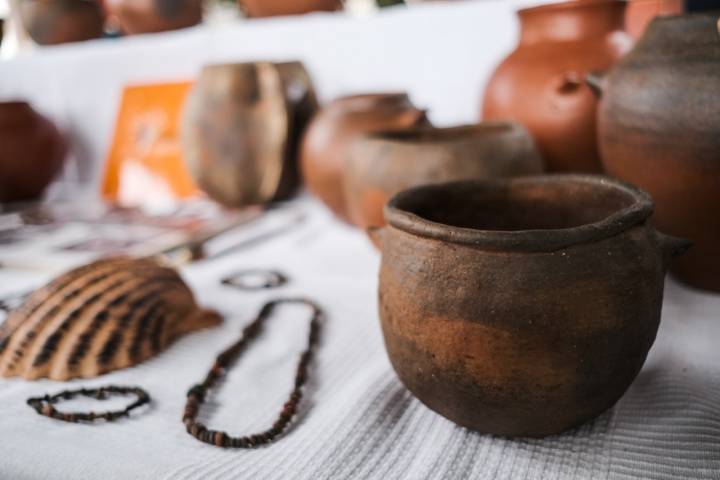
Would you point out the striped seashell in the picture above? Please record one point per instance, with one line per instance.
(104, 316)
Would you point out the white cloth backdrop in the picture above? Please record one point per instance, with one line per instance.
(359, 422)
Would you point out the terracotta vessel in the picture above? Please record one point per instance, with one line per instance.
(327, 143)
(385, 163)
(273, 8)
(32, 152)
(241, 128)
(521, 307)
(52, 22)
(641, 12)
(659, 126)
(150, 16)
(540, 84)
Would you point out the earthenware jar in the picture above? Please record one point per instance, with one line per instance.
(241, 127)
(326, 145)
(32, 152)
(272, 8)
(541, 84)
(149, 16)
(521, 307)
(51, 22)
(641, 12)
(384, 163)
(659, 128)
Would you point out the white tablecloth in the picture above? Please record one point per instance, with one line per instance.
(359, 421)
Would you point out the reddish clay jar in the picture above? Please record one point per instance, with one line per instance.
(150, 16)
(52, 22)
(274, 8)
(541, 84)
(32, 152)
(327, 143)
(641, 12)
(659, 128)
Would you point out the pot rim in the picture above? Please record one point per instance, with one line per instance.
(531, 240)
(567, 4)
(446, 135)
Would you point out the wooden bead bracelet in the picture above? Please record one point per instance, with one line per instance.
(44, 405)
(198, 394)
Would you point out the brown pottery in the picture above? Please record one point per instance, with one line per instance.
(641, 12)
(540, 84)
(659, 128)
(385, 163)
(241, 128)
(521, 307)
(32, 152)
(150, 16)
(273, 8)
(52, 22)
(327, 143)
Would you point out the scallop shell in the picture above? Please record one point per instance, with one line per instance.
(104, 316)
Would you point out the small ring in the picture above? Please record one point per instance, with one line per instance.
(268, 279)
(44, 405)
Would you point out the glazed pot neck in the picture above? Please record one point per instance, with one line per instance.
(675, 34)
(571, 21)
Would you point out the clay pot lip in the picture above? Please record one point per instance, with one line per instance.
(430, 135)
(14, 104)
(563, 6)
(548, 240)
(373, 100)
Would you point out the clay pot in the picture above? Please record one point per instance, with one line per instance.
(540, 84)
(641, 12)
(52, 22)
(150, 16)
(327, 143)
(659, 128)
(385, 163)
(32, 152)
(521, 307)
(241, 128)
(272, 8)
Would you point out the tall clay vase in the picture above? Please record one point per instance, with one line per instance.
(241, 128)
(150, 16)
(659, 128)
(32, 152)
(327, 143)
(541, 83)
(641, 12)
(52, 22)
(273, 8)
(521, 307)
(385, 163)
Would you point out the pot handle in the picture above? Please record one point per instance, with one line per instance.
(672, 247)
(377, 235)
(597, 82)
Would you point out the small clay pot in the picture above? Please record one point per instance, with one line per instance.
(641, 12)
(541, 83)
(521, 307)
(241, 128)
(327, 143)
(273, 8)
(659, 128)
(150, 16)
(52, 22)
(385, 163)
(32, 152)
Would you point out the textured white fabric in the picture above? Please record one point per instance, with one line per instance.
(360, 422)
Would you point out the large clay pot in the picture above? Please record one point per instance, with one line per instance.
(540, 84)
(326, 145)
(641, 12)
(241, 128)
(149, 16)
(385, 163)
(521, 307)
(51, 22)
(272, 8)
(32, 152)
(659, 128)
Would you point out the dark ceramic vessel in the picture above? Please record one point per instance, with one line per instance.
(241, 129)
(273, 8)
(52, 22)
(150, 16)
(659, 128)
(541, 84)
(385, 163)
(32, 152)
(327, 143)
(521, 307)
